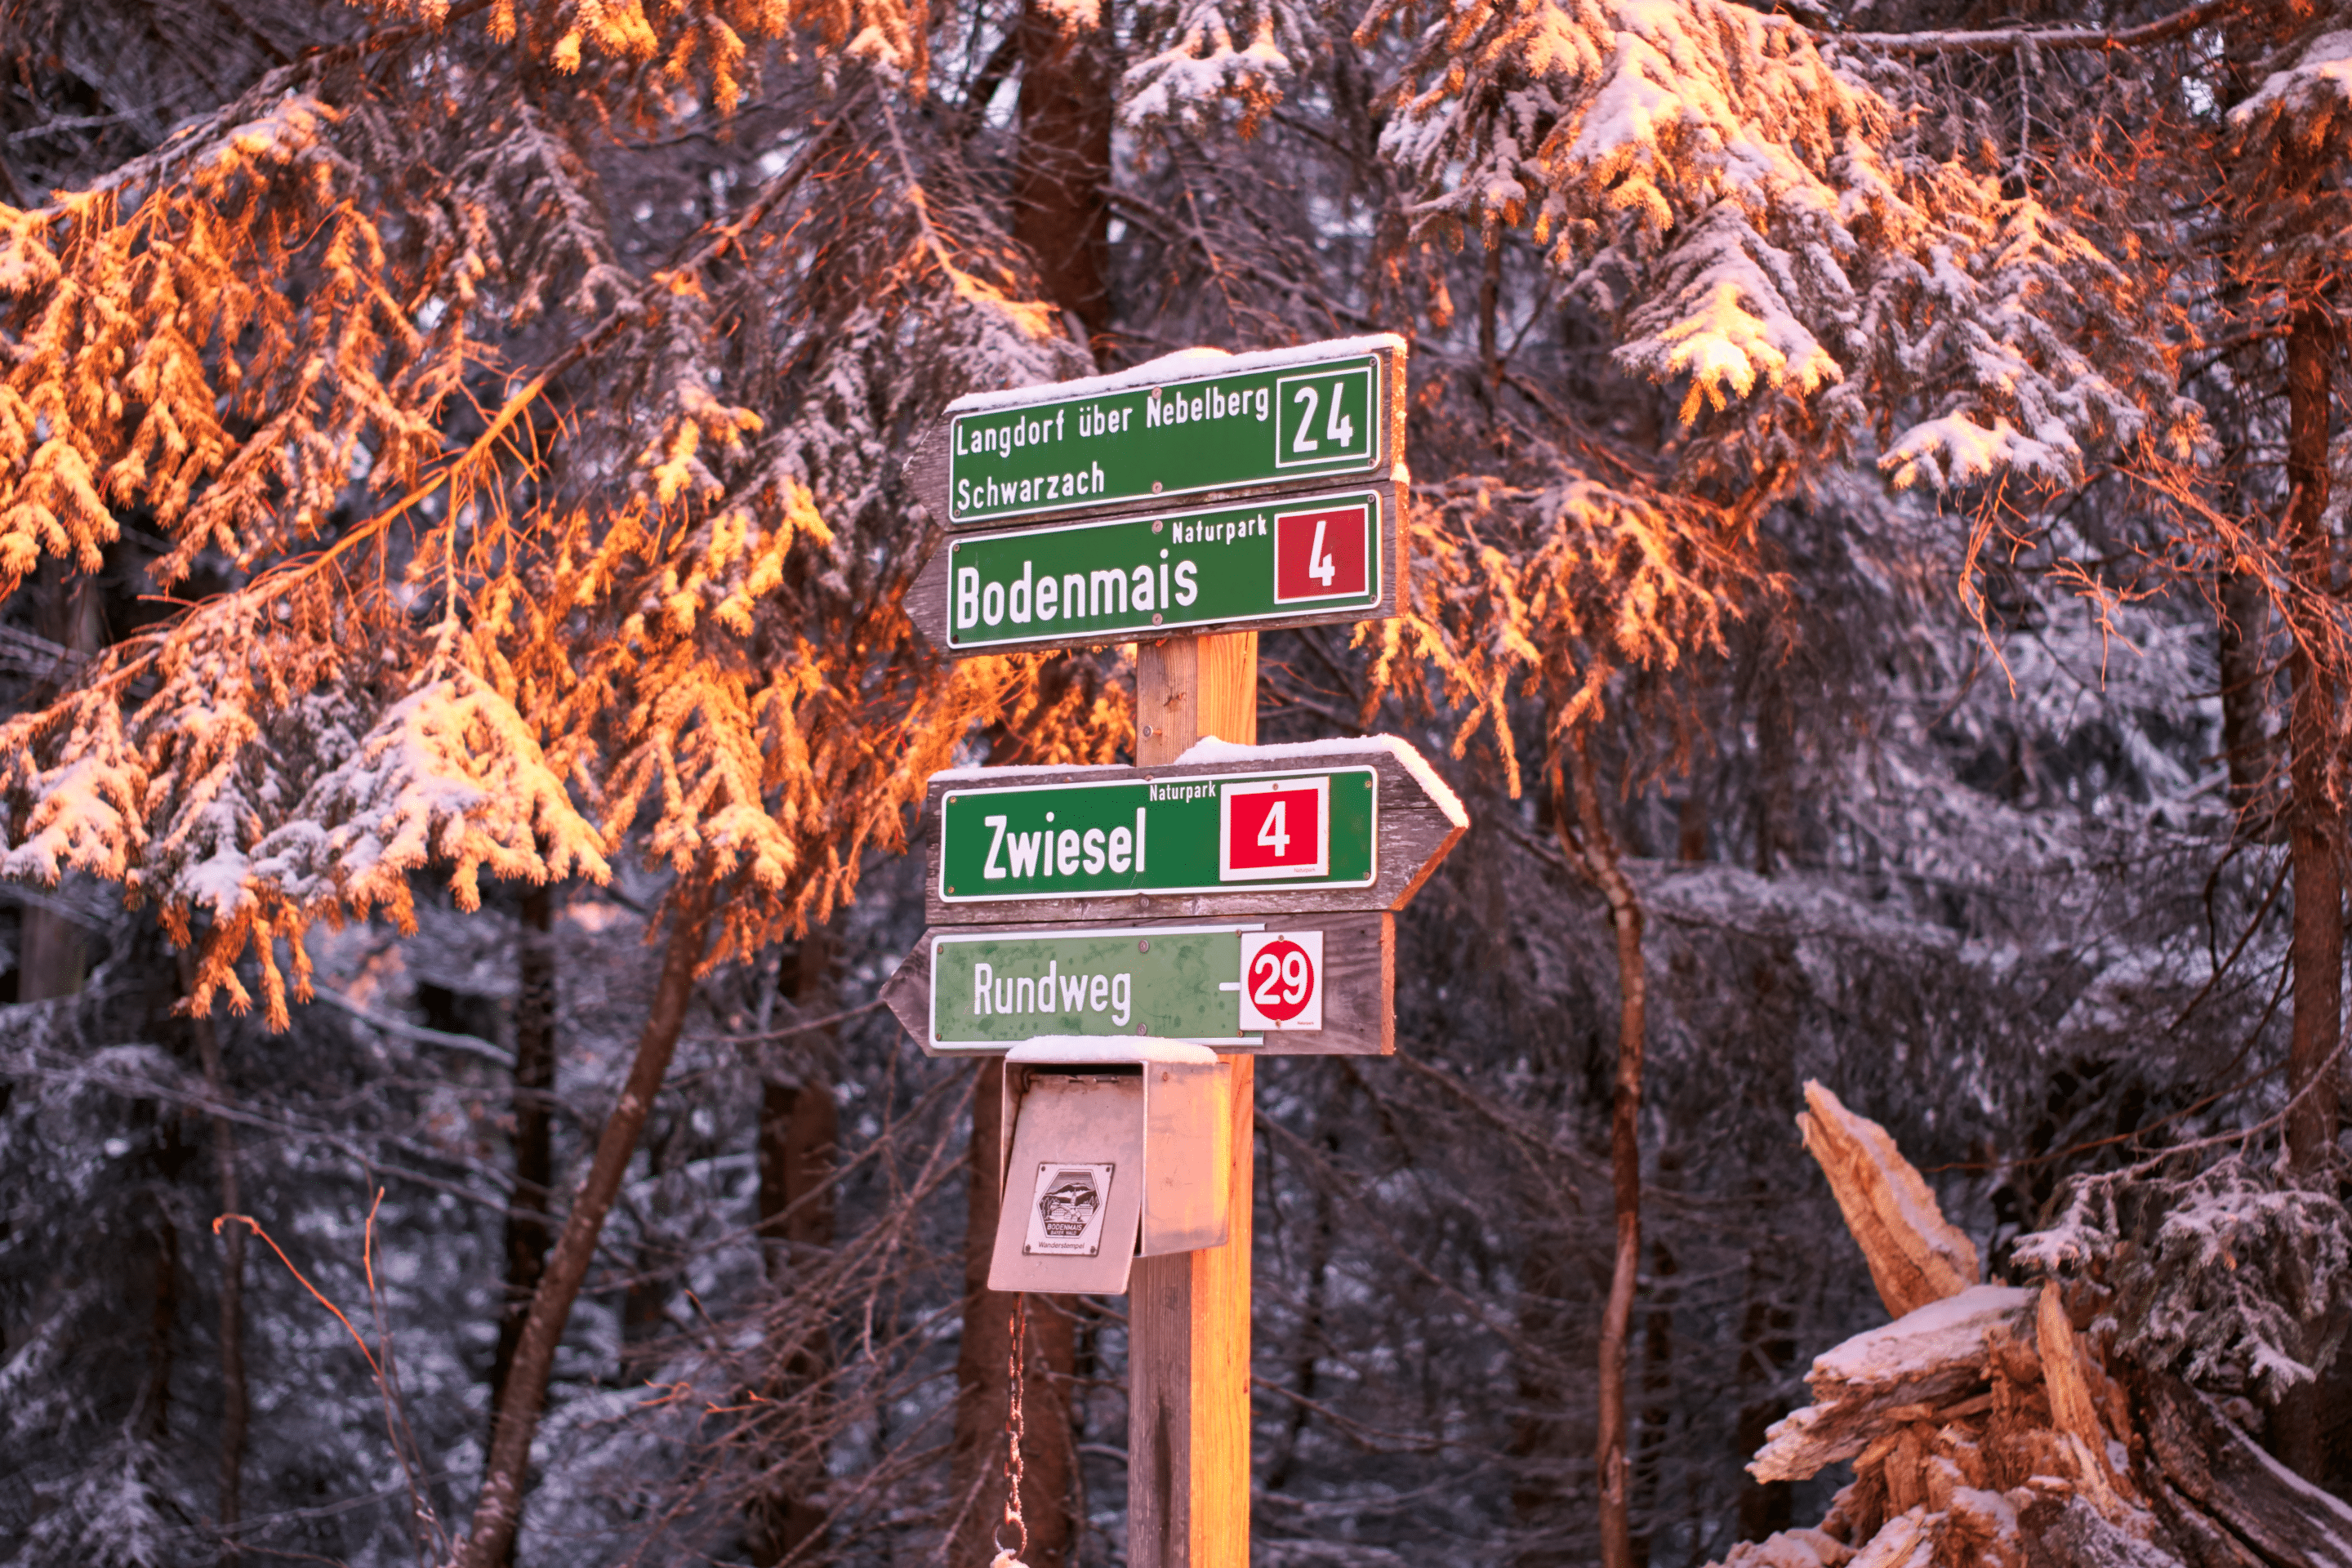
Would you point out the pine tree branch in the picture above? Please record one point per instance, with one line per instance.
(470, 1045)
(1143, 215)
(127, 658)
(198, 134)
(828, 1021)
(1995, 40)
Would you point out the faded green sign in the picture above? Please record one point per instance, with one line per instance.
(1175, 982)
(1254, 831)
(1107, 581)
(1263, 426)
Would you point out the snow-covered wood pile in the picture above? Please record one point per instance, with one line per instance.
(1987, 1430)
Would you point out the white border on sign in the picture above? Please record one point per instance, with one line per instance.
(1321, 785)
(1310, 1018)
(1370, 370)
(1371, 362)
(1367, 600)
(939, 939)
(1372, 875)
(1372, 556)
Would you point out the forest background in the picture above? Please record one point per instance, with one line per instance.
(1876, 579)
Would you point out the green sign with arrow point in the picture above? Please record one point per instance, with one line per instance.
(1304, 558)
(1299, 417)
(1255, 831)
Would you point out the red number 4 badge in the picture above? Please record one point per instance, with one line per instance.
(1275, 828)
(1323, 554)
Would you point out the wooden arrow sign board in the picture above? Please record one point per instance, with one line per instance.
(1066, 525)
(1242, 897)
(1225, 831)
(1308, 560)
(1201, 423)
(1316, 985)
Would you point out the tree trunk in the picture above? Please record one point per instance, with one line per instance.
(235, 1409)
(162, 1308)
(981, 1378)
(1658, 1380)
(1490, 347)
(1543, 1435)
(52, 952)
(2313, 834)
(1595, 848)
(2245, 743)
(799, 1137)
(1320, 1244)
(1775, 774)
(1059, 210)
(534, 1126)
(499, 1509)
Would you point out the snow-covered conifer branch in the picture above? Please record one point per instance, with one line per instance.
(1772, 238)
(1990, 41)
(1207, 52)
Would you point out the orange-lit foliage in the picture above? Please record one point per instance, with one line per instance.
(610, 559)
(1566, 592)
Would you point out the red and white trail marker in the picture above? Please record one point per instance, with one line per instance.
(1282, 979)
(1280, 827)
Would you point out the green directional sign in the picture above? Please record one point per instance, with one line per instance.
(1255, 420)
(1177, 983)
(1314, 984)
(1254, 831)
(1077, 582)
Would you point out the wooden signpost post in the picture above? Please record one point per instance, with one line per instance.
(1217, 893)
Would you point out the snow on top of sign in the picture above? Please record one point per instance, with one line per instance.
(1117, 1050)
(1212, 750)
(1183, 365)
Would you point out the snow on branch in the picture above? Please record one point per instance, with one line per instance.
(450, 773)
(263, 788)
(1779, 239)
(1992, 40)
(1209, 51)
(2306, 103)
(235, 413)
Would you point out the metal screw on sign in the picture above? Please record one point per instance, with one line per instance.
(1009, 1557)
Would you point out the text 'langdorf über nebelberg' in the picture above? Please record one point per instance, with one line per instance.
(1051, 993)
(1086, 595)
(1019, 432)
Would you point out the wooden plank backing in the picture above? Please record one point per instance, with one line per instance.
(1359, 984)
(927, 607)
(1412, 835)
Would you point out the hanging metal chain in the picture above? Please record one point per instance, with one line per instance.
(1016, 1369)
